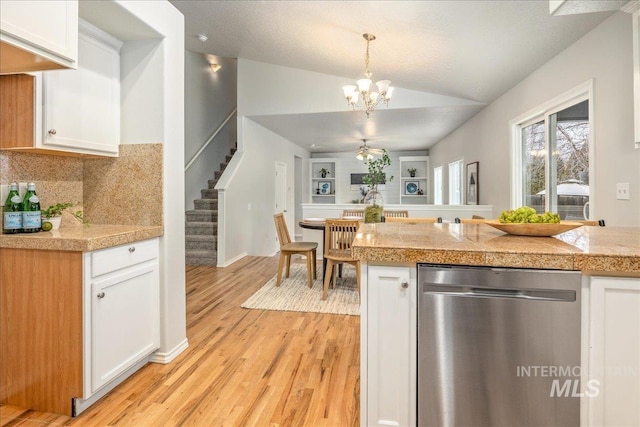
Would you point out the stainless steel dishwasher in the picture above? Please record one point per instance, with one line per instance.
(498, 347)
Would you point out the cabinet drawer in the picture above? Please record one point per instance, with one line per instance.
(118, 257)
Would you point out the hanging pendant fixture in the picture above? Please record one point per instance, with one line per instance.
(363, 96)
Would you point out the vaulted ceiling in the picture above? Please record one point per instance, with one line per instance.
(476, 50)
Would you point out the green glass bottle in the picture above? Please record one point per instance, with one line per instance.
(12, 211)
(31, 216)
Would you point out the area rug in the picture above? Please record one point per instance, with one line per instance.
(294, 294)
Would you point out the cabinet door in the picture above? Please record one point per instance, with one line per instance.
(391, 346)
(124, 322)
(81, 108)
(614, 351)
(46, 33)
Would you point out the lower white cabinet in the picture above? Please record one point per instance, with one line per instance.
(121, 303)
(391, 340)
(614, 351)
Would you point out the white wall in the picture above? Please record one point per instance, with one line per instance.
(152, 91)
(249, 193)
(209, 99)
(604, 54)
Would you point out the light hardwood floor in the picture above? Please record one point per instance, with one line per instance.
(242, 368)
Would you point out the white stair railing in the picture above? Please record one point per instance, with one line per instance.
(211, 138)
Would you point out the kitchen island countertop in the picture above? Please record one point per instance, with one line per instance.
(592, 250)
(82, 239)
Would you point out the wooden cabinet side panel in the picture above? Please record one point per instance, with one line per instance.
(40, 329)
(17, 110)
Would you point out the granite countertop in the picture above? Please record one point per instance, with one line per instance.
(82, 239)
(589, 249)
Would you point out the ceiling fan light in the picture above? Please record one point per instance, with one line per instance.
(359, 156)
(364, 85)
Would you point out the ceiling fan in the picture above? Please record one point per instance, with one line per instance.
(366, 153)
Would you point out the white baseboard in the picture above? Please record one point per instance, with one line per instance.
(167, 357)
(228, 262)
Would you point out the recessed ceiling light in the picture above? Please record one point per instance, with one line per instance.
(202, 38)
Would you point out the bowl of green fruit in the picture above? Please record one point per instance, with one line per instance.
(525, 221)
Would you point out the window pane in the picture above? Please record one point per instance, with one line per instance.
(455, 183)
(569, 178)
(533, 160)
(437, 185)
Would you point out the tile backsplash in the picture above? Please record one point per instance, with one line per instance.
(124, 190)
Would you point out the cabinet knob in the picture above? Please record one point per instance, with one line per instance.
(132, 249)
(101, 295)
(404, 284)
(52, 132)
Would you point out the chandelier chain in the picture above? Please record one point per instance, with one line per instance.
(366, 62)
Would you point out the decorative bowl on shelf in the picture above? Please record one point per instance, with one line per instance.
(533, 229)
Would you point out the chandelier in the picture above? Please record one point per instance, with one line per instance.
(362, 96)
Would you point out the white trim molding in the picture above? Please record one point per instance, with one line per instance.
(584, 91)
(167, 357)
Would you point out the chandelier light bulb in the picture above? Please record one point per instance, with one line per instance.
(363, 98)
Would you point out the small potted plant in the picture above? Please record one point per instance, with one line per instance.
(324, 172)
(412, 172)
(53, 216)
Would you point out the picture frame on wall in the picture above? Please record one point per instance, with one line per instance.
(472, 183)
(411, 188)
(324, 187)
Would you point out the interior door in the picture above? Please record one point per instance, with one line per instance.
(281, 188)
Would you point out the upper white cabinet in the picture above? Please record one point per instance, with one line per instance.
(81, 108)
(38, 35)
(414, 189)
(66, 111)
(636, 76)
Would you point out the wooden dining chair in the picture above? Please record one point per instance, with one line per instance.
(288, 248)
(353, 212)
(396, 214)
(411, 220)
(338, 236)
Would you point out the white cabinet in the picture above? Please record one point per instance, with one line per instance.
(323, 180)
(390, 327)
(614, 351)
(636, 76)
(38, 35)
(414, 189)
(121, 300)
(69, 111)
(81, 108)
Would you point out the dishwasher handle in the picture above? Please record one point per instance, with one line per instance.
(561, 295)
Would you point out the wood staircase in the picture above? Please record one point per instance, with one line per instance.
(201, 227)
